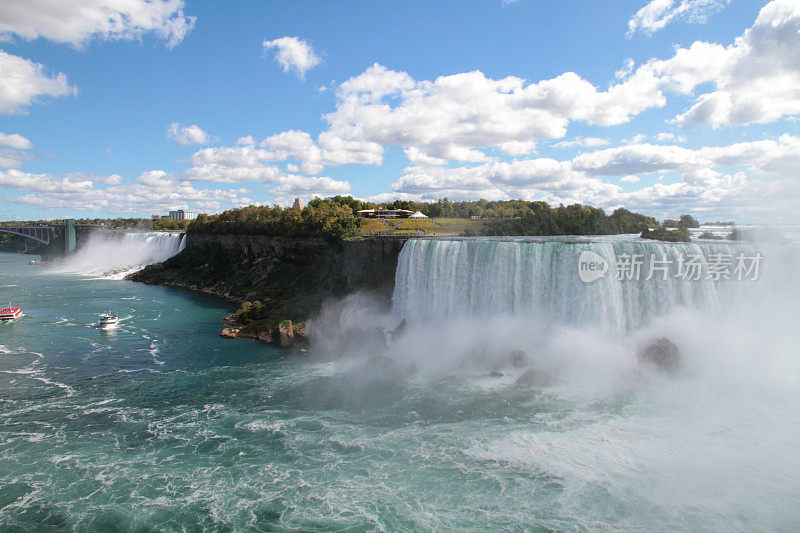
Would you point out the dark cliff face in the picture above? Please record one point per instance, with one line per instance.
(291, 276)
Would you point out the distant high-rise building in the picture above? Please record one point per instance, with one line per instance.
(297, 205)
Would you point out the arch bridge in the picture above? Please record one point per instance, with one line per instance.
(44, 233)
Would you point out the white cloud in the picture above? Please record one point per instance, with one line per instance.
(233, 156)
(710, 178)
(23, 82)
(457, 117)
(418, 157)
(658, 13)
(294, 54)
(780, 156)
(77, 22)
(468, 117)
(246, 163)
(24, 181)
(155, 178)
(581, 142)
(187, 135)
(755, 80)
(78, 192)
(14, 156)
(328, 151)
(15, 141)
(670, 137)
(626, 70)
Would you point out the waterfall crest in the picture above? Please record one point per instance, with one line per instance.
(114, 255)
(439, 279)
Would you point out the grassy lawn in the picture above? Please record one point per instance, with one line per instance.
(430, 226)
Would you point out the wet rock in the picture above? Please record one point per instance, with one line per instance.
(391, 335)
(496, 374)
(536, 378)
(518, 359)
(401, 327)
(285, 334)
(663, 354)
(229, 333)
(266, 337)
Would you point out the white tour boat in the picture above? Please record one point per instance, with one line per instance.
(108, 321)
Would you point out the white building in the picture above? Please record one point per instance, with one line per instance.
(180, 214)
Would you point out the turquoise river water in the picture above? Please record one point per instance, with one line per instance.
(161, 425)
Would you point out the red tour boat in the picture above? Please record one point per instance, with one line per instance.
(10, 313)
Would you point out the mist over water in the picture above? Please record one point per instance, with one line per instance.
(117, 255)
(710, 447)
(163, 425)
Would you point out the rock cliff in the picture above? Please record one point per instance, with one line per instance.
(290, 276)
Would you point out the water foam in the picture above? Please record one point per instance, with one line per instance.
(114, 256)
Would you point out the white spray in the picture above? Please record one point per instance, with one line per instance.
(115, 256)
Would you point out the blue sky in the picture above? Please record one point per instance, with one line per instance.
(111, 108)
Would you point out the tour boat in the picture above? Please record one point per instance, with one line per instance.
(10, 313)
(108, 321)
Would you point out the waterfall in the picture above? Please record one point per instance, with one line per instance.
(440, 279)
(114, 255)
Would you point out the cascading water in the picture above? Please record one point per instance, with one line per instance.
(115, 256)
(440, 279)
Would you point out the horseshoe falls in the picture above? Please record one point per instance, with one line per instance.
(515, 397)
(487, 277)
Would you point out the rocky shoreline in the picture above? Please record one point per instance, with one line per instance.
(285, 335)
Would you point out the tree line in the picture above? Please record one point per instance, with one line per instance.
(336, 217)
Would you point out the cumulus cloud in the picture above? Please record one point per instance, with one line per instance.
(187, 135)
(470, 118)
(248, 163)
(755, 80)
(80, 192)
(293, 54)
(76, 23)
(781, 156)
(14, 153)
(15, 141)
(708, 178)
(23, 82)
(459, 116)
(658, 13)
